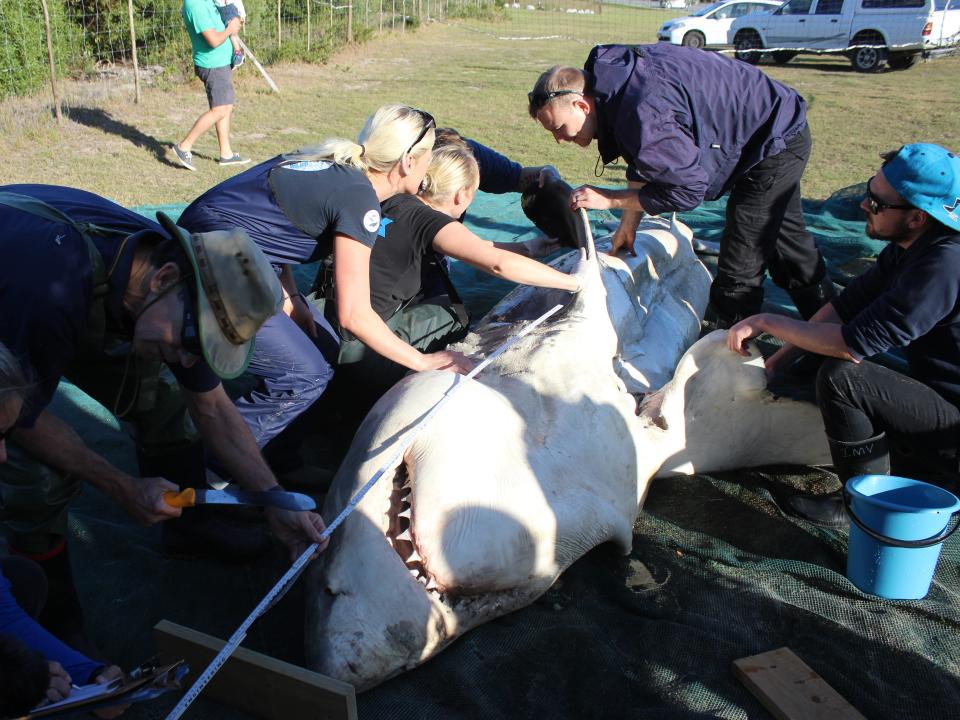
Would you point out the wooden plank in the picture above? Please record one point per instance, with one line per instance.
(257, 684)
(790, 689)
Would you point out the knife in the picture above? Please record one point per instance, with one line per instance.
(234, 496)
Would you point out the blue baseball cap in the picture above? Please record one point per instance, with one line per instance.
(928, 177)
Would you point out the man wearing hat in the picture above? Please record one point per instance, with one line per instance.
(909, 299)
(146, 319)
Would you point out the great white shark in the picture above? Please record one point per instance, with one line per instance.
(545, 455)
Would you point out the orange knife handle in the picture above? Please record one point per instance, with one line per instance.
(182, 499)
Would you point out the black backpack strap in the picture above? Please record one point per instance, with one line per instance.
(95, 331)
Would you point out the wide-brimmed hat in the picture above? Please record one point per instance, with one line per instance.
(237, 290)
(928, 177)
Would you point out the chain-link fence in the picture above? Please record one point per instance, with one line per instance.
(87, 35)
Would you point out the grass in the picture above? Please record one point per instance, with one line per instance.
(472, 75)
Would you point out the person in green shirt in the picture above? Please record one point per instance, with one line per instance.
(212, 56)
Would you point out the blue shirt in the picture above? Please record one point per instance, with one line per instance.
(910, 299)
(498, 173)
(46, 285)
(688, 123)
(14, 621)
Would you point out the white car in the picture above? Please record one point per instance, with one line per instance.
(709, 26)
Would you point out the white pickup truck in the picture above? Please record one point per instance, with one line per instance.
(869, 32)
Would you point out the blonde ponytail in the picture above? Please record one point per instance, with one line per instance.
(385, 137)
(452, 168)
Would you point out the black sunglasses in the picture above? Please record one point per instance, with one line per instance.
(875, 205)
(428, 123)
(538, 99)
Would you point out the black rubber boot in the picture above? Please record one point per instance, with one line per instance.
(812, 297)
(728, 306)
(865, 457)
(222, 532)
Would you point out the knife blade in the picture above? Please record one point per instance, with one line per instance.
(230, 495)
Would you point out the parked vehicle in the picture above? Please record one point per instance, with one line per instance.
(944, 38)
(709, 26)
(869, 32)
(675, 3)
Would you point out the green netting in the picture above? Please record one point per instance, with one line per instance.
(717, 572)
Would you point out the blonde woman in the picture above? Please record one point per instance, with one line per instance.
(314, 204)
(415, 228)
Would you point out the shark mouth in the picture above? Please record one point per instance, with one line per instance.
(401, 536)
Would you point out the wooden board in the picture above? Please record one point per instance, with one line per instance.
(790, 689)
(257, 684)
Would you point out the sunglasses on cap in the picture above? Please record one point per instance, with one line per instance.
(428, 124)
(538, 99)
(875, 205)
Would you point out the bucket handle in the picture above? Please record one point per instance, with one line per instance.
(935, 540)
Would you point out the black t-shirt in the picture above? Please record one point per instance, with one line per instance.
(406, 236)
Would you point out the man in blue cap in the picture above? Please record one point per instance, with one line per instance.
(909, 299)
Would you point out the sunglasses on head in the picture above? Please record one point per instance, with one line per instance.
(428, 123)
(875, 205)
(538, 99)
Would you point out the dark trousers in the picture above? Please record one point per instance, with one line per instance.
(859, 401)
(765, 231)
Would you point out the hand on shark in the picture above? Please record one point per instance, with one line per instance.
(297, 530)
(447, 360)
(583, 271)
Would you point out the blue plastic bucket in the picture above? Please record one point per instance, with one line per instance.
(897, 527)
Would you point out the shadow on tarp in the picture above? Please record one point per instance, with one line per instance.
(722, 574)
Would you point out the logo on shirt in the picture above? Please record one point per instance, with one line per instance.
(952, 209)
(371, 221)
(382, 232)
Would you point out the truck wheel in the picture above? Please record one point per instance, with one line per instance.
(870, 54)
(782, 57)
(902, 61)
(694, 39)
(747, 47)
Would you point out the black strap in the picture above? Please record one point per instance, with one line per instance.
(455, 302)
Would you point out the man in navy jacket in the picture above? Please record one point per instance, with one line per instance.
(909, 299)
(691, 126)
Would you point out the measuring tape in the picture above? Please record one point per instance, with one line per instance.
(290, 577)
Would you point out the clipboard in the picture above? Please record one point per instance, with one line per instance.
(144, 683)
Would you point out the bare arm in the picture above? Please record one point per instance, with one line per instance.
(224, 431)
(786, 355)
(216, 38)
(294, 304)
(354, 313)
(457, 241)
(820, 336)
(54, 443)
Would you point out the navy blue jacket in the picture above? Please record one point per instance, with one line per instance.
(46, 285)
(498, 173)
(689, 123)
(910, 299)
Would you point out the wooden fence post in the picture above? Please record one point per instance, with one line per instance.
(53, 67)
(309, 3)
(381, 16)
(133, 51)
(279, 36)
(349, 21)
